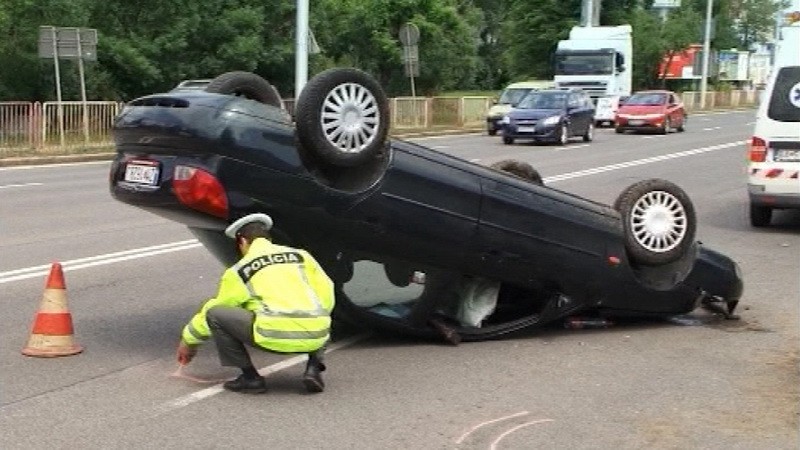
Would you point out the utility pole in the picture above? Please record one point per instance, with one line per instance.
(301, 48)
(706, 55)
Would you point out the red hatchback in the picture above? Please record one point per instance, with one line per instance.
(660, 111)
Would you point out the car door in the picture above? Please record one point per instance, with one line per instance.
(576, 114)
(673, 110)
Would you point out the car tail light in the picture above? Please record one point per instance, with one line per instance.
(200, 190)
(758, 149)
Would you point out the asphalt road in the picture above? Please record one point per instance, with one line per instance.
(133, 280)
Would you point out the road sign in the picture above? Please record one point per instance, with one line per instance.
(410, 54)
(68, 43)
(409, 34)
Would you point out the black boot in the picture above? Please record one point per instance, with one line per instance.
(312, 378)
(247, 385)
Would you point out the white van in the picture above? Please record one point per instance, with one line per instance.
(773, 174)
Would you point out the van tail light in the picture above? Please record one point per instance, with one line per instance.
(758, 149)
(200, 190)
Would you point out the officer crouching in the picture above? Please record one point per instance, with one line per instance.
(275, 298)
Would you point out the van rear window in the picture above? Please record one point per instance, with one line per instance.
(784, 106)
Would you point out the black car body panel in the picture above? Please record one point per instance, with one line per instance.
(415, 207)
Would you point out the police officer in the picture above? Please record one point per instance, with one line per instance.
(274, 298)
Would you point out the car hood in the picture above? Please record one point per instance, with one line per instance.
(641, 109)
(534, 113)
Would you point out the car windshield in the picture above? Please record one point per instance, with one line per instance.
(584, 64)
(544, 100)
(784, 105)
(646, 99)
(513, 96)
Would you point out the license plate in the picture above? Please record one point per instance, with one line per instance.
(787, 155)
(526, 129)
(636, 122)
(142, 172)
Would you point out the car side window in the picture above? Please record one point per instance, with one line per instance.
(587, 102)
(573, 101)
(672, 100)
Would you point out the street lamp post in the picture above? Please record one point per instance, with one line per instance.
(301, 48)
(706, 55)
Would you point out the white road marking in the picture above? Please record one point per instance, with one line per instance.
(654, 137)
(750, 123)
(196, 396)
(640, 162)
(99, 260)
(570, 147)
(56, 165)
(488, 422)
(475, 160)
(443, 136)
(8, 186)
(439, 147)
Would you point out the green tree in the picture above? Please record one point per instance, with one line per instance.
(364, 34)
(532, 32)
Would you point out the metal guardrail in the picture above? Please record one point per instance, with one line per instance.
(26, 126)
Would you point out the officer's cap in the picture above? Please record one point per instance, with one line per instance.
(250, 218)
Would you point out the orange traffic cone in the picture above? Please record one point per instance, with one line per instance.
(51, 334)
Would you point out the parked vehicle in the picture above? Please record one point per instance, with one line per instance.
(382, 215)
(510, 97)
(553, 115)
(659, 111)
(774, 154)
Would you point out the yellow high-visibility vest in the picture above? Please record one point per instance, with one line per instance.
(286, 288)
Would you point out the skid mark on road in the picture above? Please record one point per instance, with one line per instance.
(489, 422)
(518, 427)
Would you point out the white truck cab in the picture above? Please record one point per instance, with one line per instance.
(599, 61)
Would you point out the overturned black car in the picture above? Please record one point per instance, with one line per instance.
(405, 231)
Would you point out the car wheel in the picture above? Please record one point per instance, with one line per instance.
(619, 130)
(682, 127)
(248, 85)
(589, 133)
(492, 132)
(760, 216)
(342, 117)
(667, 126)
(563, 137)
(508, 140)
(658, 220)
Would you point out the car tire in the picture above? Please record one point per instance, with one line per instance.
(682, 127)
(492, 132)
(619, 130)
(508, 140)
(658, 220)
(667, 126)
(760, 216)
(563, 136)
(589, 135)
(338, 95)
(248, 85)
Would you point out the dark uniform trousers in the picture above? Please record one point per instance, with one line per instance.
(232, 328)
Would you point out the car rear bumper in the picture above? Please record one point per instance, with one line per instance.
(761, 196)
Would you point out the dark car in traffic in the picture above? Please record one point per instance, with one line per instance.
(553, 115)
(398, 225)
